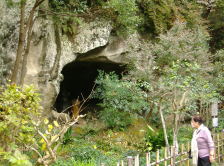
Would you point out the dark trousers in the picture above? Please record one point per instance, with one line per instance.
(204, 161)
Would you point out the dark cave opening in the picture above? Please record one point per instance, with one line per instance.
(79, 80)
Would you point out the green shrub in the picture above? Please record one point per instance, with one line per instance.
(67, 136)
(72, 162)
(120, 99)
(217, 25)
(115, 118)
(159, 15)
(155, 139)
(81, 151)
(85, 153)
(126, 19)
(18, 109)
(185, 133)
(15, 158)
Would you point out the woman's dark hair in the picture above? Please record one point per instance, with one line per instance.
(198, 118)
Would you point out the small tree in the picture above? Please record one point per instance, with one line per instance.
(120, 99)
(18, 109)
(23, 128)
(178, 75)
(25, 31)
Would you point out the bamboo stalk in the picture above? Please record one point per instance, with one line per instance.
(148, 159)
(182, 156)
(137, 160)
(218, 142)
(122, 163)
(157, 158)
(165, 156)
(188, 149)
(171, 156)
(215, 144)
(222, 146)
(129, 160)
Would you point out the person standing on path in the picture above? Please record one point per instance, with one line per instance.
(202, 145)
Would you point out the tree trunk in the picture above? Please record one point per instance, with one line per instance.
(24, 32)
(164, 126)
(175, 132)
(20, 48)
(25, 56)
(55, 67)
(28, 32)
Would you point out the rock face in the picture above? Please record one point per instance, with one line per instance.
(50, 51)
(8, 39)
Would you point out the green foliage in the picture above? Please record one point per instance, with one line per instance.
(86, 153)
(181, 43)
(182, 63)
(120, 94)
(12, 3)
(14, 159)
(115, 118)
(18, 109)
(189, 12)
(118, 97)
(127, 16)
(159, 14)
(124, 19)
(108, 146)
(67, 136)
(185, 134)
(218, 74)
(73, 6)
(188, 77)
(125, 12)
(72, 162)
(67, 15)
(155, 139)
(216, 18)
(18, 106)
(220, 127)
(180, 71)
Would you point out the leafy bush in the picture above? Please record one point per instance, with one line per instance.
(14, 158)
(115, 118)
(85, 153)
(220, 127)
(23, 129)
(217, 25)
(67, 136)
(126, 19)
(185, 133)
(155, 139)
(72, 162)
(159, 15)
(120, 99)
(18, 109)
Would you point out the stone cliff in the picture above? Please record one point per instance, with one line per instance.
(54, 56)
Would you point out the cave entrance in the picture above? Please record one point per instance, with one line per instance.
(79, 80)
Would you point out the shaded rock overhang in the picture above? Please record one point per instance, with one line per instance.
(79, 80)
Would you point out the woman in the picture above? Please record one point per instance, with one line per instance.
(202, 145)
